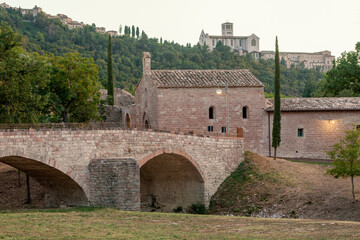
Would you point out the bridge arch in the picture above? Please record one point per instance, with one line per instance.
(169, 179)
(63, 190)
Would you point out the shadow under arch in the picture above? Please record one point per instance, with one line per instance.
(62, 188)
(169, 180)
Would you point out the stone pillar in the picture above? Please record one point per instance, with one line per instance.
(115, 183)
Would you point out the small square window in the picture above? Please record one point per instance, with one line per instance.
(358, 127)
(223, 129)
(210, 128)
(300, 132)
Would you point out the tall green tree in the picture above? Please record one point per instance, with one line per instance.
(120, 29)
(110, 87)
(74, 89)
(133, 31)
(137, 32)
(344, 78)
(346, 158)
(276, 131)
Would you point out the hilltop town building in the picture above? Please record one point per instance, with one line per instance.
(186, 101)
(100, 30)
(251, 44)
(241, 44)
(112, 33)
(323, 60)
(71, 24)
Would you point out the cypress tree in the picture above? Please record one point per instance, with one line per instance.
(110, 87)
(276, 132)
(137, 32)
(133, 31)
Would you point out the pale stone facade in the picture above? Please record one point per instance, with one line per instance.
(323, 59)
(100, 30)
(112, 33)
(34, 11)
(241, 44)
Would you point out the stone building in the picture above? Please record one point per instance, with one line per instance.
(112, 33)
(241, 44)
(100, 30)
(4, 5)
(323, 59)
(33, 11)
(187, 101)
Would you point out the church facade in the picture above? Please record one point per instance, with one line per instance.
(189, 101)
(241, 44)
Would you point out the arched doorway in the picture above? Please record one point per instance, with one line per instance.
(128, 124)
(168, 181)
(146, 122)
(60, 188)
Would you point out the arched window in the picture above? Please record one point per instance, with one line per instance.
(128, 124)
(253, 42)
(211, 112)
(245, 111)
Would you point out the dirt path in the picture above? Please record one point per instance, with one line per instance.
(13, 196)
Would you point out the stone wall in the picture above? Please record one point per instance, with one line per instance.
(115, 183)
(192, 114)
(321, 130)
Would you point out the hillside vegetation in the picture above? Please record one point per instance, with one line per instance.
(264, 187)
(45, 35)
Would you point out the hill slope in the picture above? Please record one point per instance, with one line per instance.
(46, 35)
(265, 187)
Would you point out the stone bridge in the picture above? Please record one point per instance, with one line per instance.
(127, 169)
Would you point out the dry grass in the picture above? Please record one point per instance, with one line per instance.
(115, 224)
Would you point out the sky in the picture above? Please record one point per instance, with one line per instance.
(301, 26)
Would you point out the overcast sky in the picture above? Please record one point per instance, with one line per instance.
(303, 25)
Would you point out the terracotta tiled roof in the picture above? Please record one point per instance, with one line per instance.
(204, 78)
(315, 104)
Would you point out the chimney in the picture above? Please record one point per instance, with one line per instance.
(146, 62)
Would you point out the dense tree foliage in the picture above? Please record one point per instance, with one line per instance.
(74, 89)
(46, 88)
(344, 79)
(23, 80)
(50, 36)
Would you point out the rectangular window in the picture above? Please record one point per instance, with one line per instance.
(210, 128)
(300, 132)
(213, 42)
(232, 42)
(357, 127)
(223, 129)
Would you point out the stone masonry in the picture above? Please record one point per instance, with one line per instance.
(115, 183)
(71, 151)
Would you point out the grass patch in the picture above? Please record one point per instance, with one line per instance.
(309, 162)
(115, 224)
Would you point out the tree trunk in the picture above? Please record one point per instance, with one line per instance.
(352, 188)
(274, 153)
(28, 200)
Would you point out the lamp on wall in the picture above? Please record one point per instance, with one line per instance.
(219, 92)
(332, 121)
